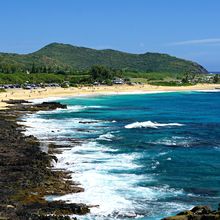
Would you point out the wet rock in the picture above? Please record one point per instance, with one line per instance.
(45, 106)
(55, 209)
(26, 176)
(51, 105)
(179, 217)
(86, 122)
(197, 213)
(43, 217)
(199, 210)
(186, 213)
(18, 101)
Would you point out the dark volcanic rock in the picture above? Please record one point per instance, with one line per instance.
(197, 213)
(50, 105)
(59, 208)
(45, 106)
(87, 122)
(26, 175)
(18, 101)
(199, 210)
(51, 217)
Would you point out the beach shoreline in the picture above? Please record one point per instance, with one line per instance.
(84, 185)
(58, 205)
(58, 92)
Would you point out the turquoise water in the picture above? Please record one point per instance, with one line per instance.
(138, 156)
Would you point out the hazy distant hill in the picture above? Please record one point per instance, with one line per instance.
(80, 58)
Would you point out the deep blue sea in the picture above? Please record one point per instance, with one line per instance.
(142, 156)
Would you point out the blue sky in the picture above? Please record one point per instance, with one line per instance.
(185, 28)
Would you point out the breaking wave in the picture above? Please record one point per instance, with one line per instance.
(150, 124)
(73, 108)
(106, 137)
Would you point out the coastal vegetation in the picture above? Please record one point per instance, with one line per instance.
(69, 65)
(21, 78)
(56, 57)
(104, 75)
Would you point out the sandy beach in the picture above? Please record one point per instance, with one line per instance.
(94, 90)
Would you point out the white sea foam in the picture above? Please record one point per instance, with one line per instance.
(107, 176)
(115, 193)
(55, 129)
(208, 90)
(93, 170)
(163, 153)
(108, 182)
(72, 108)
(150, 124)
(175, 141)
(106, 137)
(49, 99)
(75, 108)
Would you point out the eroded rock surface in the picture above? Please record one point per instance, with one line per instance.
(25, 172)
(197, 213)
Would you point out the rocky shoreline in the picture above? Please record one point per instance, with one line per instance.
(26, 174)
(197, 213)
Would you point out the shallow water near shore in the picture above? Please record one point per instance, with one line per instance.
(143, 156)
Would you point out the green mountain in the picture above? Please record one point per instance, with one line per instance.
(65, 56)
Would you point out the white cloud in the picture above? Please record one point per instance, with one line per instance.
(194, 42)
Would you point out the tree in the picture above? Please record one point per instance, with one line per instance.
(62, 72)
(33, 69)
(216, 78)
(49, 69)
(185, 79)
(100, 73)
(45, 69)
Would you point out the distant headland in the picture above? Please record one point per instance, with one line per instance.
(58, 56)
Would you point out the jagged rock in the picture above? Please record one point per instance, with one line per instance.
(51, 105)
(197, 213)
(25, 174)
(186, 213)
(18, 101)
(199, 210)
(30, 216)
(45, 106)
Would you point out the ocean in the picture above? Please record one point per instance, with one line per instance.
(140, 156)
